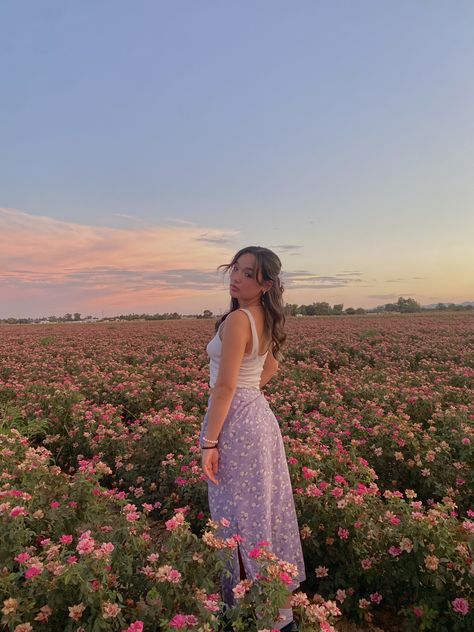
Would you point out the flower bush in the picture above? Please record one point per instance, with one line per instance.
(75, 555)
(376, 415)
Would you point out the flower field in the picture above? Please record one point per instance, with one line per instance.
(103, 505)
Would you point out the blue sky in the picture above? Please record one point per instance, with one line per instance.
(340, 134)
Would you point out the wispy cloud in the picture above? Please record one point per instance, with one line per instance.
(303, 279)
(213, 238)
(44, 258)
(287, 248)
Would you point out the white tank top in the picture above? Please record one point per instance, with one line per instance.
(252, 363)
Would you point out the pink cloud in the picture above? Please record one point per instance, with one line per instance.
(53, 264)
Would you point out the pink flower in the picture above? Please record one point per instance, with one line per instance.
(343, 533)
(183, 621)
(242, 587)
(66, 539)
(153, 557)
(85, 546)
(72, 559)
(137, 626)
(285, 578)
(75, 612)
(54, 504)
(176, 521)
(107, 548)
(340, 595)
(18, 511)
(460, 605)
(33, 571)
(174, 576)
(110, 610)
(211, 605)
(21, 558)
(255, 553)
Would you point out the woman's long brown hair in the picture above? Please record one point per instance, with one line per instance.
(267, 268)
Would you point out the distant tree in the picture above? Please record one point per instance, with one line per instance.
(291, 309)
(77, 316)
(350, 310)
(337, 309)
(309, 310)
(408, 305)
(207, 313)
(323, 308)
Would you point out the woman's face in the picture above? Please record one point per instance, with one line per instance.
(243, 281)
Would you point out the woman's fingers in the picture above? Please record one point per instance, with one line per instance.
(209, 466)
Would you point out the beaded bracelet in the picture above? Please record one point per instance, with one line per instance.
(211, 440)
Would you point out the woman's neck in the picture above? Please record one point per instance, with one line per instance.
(255, 304)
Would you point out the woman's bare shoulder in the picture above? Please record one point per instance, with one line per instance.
(237, 318)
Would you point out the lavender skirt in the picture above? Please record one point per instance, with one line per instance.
(254, 491)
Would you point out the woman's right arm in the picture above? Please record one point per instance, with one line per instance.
(270, 367)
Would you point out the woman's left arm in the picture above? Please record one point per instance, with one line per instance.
(235, 337)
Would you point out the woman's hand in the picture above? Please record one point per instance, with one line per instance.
(210, 462)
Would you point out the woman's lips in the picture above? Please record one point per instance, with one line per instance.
(232, 287)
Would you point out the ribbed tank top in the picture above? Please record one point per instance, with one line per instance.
(252, 363)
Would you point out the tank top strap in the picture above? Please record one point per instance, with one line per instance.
(254, 330)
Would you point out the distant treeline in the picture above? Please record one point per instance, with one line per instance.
(403, 305)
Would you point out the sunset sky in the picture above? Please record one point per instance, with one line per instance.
(143, 143)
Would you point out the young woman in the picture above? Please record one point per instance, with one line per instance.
(243, 455)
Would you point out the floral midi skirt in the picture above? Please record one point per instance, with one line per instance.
(254, 492)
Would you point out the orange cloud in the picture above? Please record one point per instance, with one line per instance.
(49, 262)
